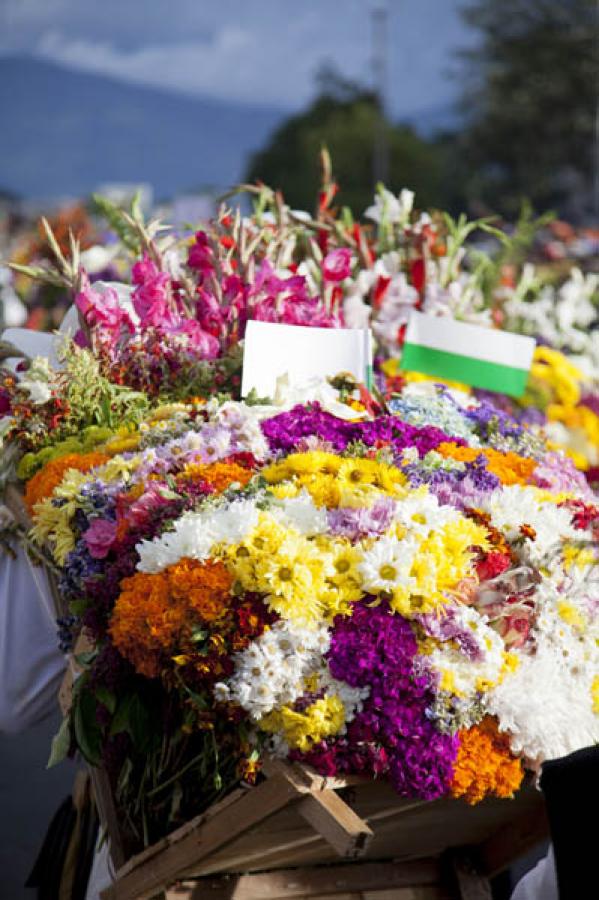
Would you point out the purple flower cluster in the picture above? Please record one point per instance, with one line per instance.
(447, 627)
(456, 487)
(287, 431)
(356, 523)
(376, 648)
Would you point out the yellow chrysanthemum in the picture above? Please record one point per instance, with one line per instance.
(301, 730)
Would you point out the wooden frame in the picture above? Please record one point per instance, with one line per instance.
(287, 837)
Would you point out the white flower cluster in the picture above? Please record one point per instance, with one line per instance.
(195, 533)
(467, 676)
(515, 505)
(273, 670)
(546, 705)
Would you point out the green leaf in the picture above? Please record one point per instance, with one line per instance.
(87, 731)
(133, 717)
(107, 698)
(120, 721)
(85, 659)
(61, 743)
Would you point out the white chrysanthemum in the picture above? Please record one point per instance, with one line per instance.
(515, 505)
(195, 534)
(420, 513)
(300, 513)
(352, 697)
(273, 670)
(546, 705)
(387, 564)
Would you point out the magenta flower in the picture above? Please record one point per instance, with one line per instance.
(152, 294)
(103, 311)
(337, 265)
(99, 537)
(200, 255)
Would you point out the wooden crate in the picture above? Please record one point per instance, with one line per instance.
(300, 835)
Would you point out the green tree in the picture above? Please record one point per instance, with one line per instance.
(530, 102)
(344, 117)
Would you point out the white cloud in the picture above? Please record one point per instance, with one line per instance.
(261, 51)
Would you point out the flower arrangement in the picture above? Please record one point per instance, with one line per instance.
(368, 595)
(399, 584)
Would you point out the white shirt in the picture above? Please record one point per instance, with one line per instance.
(540, 883)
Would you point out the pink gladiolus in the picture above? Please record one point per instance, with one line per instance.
(202, 343)
(103, 311)
(99, 537)
(337, 265)
(151, 296)
(200, 254)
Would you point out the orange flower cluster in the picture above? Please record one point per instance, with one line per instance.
(484, 765)
(219, 475)
(510, 468)
(49, 477)
(155, 615)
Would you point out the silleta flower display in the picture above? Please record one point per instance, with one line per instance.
(366, 595)
(398, 584)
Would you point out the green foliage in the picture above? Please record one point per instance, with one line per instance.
(119, 222)
(345, 118)
(530, 94)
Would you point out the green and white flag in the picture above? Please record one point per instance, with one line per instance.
(481, 357)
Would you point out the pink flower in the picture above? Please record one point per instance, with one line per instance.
(99, 537)
(200, 254)
(152, 294)
(515, 629)
(103, 311)
(337, 265)
(201, 342)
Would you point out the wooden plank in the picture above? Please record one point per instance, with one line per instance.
(342, 880)
(338, 824)
(152, 875)
(308, 777)
(107, 813)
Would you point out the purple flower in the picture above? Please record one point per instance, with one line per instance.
(362, 522)
(377, 649)
(287, 430)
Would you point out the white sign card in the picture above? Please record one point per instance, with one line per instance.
(272, 350)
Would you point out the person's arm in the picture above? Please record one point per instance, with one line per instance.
(31, 665)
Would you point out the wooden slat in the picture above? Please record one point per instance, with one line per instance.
(107, 813)
(338, 824)
(157, 872)
(342, 880)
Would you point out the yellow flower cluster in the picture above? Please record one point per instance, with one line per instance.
(304, 578)
(301, 730)
(333, 481)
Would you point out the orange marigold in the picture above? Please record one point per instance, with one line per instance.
(155, 615)
(485, 765)
(219, 475)
(510, 468)
(50, 476)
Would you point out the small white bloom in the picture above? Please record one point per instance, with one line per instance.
(387, 564)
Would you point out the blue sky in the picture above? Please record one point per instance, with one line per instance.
(264, 51)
